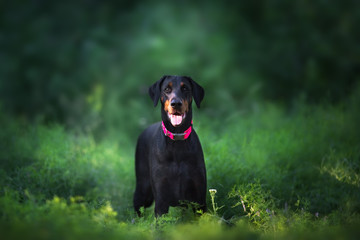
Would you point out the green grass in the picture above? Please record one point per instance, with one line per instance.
(278, 174)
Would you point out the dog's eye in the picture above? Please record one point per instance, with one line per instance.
(184, 88)
(167, 90)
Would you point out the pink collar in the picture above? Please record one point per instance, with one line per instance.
(177, 136)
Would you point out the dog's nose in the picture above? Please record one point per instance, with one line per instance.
(176, 103)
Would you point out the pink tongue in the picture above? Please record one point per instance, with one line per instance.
(175, 120)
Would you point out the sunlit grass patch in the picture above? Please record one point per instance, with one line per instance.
(61, 219)
(271, 174)
(341, 167)
(66, 164)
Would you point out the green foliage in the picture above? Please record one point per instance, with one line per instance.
(255, 202)
(60, 219)
(276, 174)
(289, 154)
(278, 125)
(92, 68)
(48, 161)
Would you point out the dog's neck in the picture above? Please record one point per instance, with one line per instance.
(181, 132)
(177, 136)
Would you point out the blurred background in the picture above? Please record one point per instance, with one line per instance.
(88, 64)
(278, 124)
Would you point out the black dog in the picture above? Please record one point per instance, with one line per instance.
(169, 160)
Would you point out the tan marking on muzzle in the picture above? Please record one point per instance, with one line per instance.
(184, 107)
(167, 106)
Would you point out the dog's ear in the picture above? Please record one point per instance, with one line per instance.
(197, 92)
(155, 90)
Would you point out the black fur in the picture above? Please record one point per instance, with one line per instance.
(169, 171)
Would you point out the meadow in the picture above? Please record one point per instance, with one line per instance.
(277, 174)
(279, 124)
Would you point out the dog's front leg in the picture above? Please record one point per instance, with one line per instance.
(161, 207)
(163, 196)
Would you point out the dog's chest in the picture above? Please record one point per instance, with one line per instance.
(178, 156)
(176, 163)
(178, 172)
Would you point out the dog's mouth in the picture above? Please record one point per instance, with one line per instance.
(176, 119)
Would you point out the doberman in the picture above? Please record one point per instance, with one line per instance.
(169, 160)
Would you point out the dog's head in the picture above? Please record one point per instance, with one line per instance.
(176, 94)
